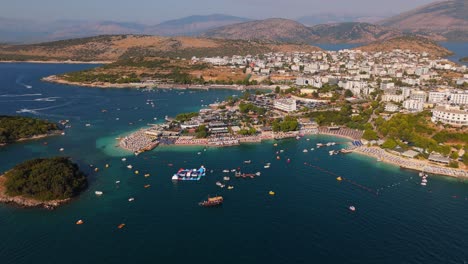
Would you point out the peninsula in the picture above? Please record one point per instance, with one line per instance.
(20, 128)
(42, 182)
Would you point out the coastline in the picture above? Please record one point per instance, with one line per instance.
(55, 79)
(412, 164)
(51, 134)
(25, 202)
(58, 62)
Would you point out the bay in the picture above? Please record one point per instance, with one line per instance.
(307, 221)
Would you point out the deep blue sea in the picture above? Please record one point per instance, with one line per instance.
(307, 221)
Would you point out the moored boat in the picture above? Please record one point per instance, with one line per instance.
(212, 201)
(189, 175)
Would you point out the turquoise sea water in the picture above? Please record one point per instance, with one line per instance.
(307, 221)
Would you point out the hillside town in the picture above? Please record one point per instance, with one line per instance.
(346, 93)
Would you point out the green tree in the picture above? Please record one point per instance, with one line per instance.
(370, 134)
(201, 131)
(348, 93)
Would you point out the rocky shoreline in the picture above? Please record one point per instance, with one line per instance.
(25, 202)
(50, 134)
(56, 79)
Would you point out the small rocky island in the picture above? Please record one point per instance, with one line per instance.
(42, 182)
(465, 59)
(19, 128)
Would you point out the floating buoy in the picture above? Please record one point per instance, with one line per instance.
(271, 193)
(339, 179)
(80, 222)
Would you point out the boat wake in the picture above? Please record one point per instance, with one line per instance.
(36, 111)
(19, 82)
(47, 99)
(19, 95)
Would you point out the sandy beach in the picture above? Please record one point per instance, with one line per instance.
(413, 164)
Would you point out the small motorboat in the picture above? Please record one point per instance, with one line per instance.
(247, 161)
(352, 208)
(266, 166)
(147, 186)
(226, 178)
(137, 172)
(271, 193)
(61, 149)
(233, 170)
(129, 166)
(305, 151)
(424, 180)
(131, 199)
(281, 150)
(121, 226)
(339, 179)
(218, 183)
(147, 175)
(107, 166)
(117, 182)
(124, 159)
(96, 169)
(258, 173)
(98, 193)
(199, 153)
(230, 187)
(80, 222)
(226, 171)
(423, 183)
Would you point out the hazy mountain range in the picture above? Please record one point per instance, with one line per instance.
(446, 20)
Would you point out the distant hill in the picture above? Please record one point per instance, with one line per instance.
(284, 30)
(448, 18)
(29, 31)
(351, 32)
(415, 44)
(193, 25)
(273, 29)
(331, 18)
(115, 47)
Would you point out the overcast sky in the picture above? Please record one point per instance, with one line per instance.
(153, 11)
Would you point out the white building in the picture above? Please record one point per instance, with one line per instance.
(419, 95)
(413, 105)
(385, 86)
(451, 115)
(437, 97)
(459, 98)
(397, 98)
(391, 107)
(287, 105)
